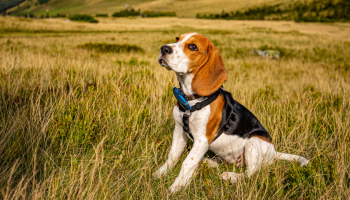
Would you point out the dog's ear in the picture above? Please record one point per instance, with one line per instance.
(211, 74)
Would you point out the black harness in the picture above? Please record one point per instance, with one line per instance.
(236, 119)
(197, 106)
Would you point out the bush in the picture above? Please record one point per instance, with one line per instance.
(326, 20)
(83, 18)
(116, 48)
(101, 15)
(307, 19)
(127, 13)
(158, 14)
(58, 15)
(43, 1)
(133, 61)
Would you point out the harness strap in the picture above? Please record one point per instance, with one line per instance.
(202, 104)
(197, 106)
(186, 122)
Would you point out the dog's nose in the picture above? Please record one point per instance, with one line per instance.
(166, 50)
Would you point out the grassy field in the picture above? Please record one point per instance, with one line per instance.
(183, 8)
(78, 121)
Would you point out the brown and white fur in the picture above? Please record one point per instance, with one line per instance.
(202, 72)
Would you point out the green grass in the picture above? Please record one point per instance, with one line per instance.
(77, 123)
(101, 15)
(116, 48)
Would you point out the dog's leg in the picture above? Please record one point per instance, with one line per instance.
(240, 162)
(285, 156)
(178, 145)
(200, 147)
(257, 153)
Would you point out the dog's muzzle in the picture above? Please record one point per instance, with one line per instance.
(164, 64)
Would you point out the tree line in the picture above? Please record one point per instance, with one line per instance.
(133, 12)
(314, 11)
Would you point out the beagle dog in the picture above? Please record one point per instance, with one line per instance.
(224, 127)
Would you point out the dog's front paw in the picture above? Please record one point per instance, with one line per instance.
(156, 174)
(174, 188)
(160, 172)
(230, 177)
(179, 183)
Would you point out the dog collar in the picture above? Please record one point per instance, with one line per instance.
(188, 97)
(182, 99)
(191, 97)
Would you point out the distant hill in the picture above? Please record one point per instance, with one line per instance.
(299, 11)
(183, 8)
(189, 8)
(6, 4)
(39, 7)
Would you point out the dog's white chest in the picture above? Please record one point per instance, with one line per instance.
(197, 122)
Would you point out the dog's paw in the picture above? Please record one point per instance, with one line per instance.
(230, 177)
(156, 175)
(303, 161)
(212, 162)
(180, 182)
(174, 188)
(160, 172)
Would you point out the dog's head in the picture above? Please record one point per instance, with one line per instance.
(195, 54)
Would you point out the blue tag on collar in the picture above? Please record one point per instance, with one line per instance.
(181, 99)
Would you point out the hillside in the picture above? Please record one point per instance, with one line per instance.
(187, 8)
(73, 6)
(6, 4)
(183, 8)
(312, 11)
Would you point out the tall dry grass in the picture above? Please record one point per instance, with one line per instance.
(82, 124)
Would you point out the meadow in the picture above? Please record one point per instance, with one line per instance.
(86, 110)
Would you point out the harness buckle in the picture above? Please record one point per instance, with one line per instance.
(197, 106)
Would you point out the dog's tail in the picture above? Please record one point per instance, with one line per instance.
(285, 156)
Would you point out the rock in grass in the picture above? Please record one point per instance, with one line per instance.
(272, 54)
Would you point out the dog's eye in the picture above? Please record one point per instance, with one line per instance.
(192, 47)
(177, 39)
